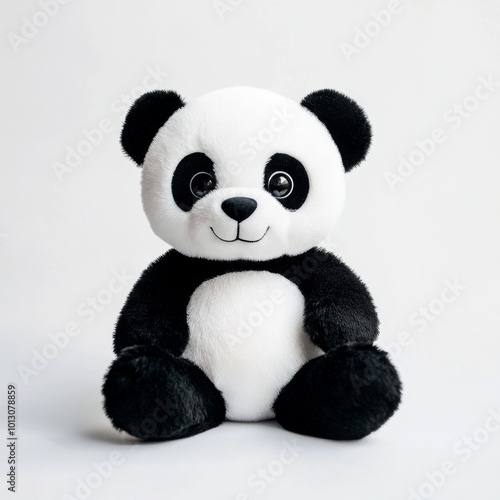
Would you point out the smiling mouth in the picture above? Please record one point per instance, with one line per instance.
(238, 236)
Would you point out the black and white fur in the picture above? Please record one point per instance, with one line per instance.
(245, 319)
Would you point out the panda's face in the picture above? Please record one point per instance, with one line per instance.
(242, 173)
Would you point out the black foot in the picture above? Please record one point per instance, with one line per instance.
(153, 395)
(345, 394)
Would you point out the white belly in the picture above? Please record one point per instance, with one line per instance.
(246, 333)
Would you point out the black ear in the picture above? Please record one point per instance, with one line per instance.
(146, 116)
(346, 122)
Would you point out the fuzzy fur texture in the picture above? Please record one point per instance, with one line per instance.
(345, 121)
(247, 334)
(148, 114)
(345, 394)
(224, 125)
(245, 319)
(153, 395)
(183, 306)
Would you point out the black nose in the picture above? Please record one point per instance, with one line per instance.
(239, 208)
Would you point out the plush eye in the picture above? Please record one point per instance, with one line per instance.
(201, 184)
(280, 184)
(285, 178)
(193, 179)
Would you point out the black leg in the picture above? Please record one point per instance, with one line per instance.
(153, 395)
(345, 394)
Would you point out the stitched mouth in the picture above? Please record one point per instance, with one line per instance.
(238, 236)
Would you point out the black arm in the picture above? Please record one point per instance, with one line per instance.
(339, 308)
(155, 310)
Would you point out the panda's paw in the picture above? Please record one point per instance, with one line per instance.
(345, 394)
(153, 395)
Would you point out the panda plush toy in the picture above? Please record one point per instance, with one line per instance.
(245, 318)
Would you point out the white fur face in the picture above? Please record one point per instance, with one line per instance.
(240, 129)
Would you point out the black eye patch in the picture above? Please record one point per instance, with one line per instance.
(285, 178)
(193, 178)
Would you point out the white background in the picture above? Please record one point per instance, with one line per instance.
(61, 239)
